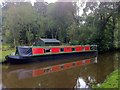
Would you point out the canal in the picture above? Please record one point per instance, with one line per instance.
(92, 70)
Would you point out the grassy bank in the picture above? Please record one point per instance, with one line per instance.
(3, 53)
(111, 81)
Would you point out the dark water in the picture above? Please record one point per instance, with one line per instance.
(83, 76)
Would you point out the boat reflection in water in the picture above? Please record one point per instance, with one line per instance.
(40, 76)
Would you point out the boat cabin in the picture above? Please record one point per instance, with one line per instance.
(47, 42)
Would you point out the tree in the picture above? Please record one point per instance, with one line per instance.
(19, 19)
(105, 20)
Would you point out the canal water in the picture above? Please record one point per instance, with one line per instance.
(92, 71)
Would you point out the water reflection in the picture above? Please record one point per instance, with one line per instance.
(81, 83)
(85, 83)
(23, 73)
(104, 66)
(83, 76)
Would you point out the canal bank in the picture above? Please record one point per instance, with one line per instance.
(111, 81)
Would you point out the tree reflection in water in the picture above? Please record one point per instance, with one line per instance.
(81, 83)
(85, 83)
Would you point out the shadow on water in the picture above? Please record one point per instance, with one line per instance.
(82, 75)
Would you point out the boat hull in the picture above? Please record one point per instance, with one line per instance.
(29, 59)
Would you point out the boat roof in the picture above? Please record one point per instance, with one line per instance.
(50, 40)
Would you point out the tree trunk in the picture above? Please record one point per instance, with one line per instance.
(112, 32)
(14, 43)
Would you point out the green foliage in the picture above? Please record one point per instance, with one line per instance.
(3, 53)
(17, 22)
(24, 23)
(103, 20)
(5, 47)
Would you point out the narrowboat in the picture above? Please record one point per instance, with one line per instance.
(26, 54)
(49, 49)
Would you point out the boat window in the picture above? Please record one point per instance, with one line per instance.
(47, 50)
(73, 49)
(74, 64)
(62, 49)
(62, 66)
(47, 70)
(83, 48)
